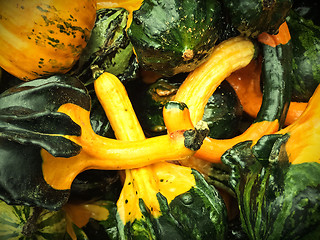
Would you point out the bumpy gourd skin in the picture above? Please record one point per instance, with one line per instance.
(175, 36)
(277, 200)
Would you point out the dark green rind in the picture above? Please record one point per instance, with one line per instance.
(46, 94)
(162, 31)
(151, 103)
(199, 213)
(109, 48)
(22, 181)
(223, 112)
(277, 82)
(28, 123)
(253, 17)
(305, 38)
(92, 185)
(277, 200)
(29, 114)
(98, 119)
(173, 104)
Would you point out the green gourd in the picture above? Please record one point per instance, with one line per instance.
(174, 36)
(277, 200)
(29, 122)
(253, 17)
(305, 38)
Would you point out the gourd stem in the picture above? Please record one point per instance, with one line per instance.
(246, 83)
(283, 36)
(229, 56)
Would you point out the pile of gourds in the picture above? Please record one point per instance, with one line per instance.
(159, 119)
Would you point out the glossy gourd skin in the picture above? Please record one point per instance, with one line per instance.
(277, 182)
(277, 200)
(151, 102)
(175, 36)
(306, 56)
(198, 213)
(41, 38)
(277, 87)
(29, 122)
(223, 112)
(252, 17)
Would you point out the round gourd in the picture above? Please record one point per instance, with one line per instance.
(41, 38)
(174, 36)
(223, 112)
(252, 17)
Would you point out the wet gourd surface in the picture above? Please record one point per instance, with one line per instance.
(159, 120)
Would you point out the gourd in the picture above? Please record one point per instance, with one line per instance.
(94, 185)
(29, 121)
(306, 55)
(276, 75)
(24, 222)
(198, 213)
(173, 36)
(246, 83)
(151, 103)
(274, 202)
(109, 48)
(234, 54)
(253, 17)
(223, 112)
(276, 180)
(62, 143)
(154, 197)
(91, 219)
(306, 127)
(44, 37)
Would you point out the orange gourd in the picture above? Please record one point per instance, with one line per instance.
(42, 38)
